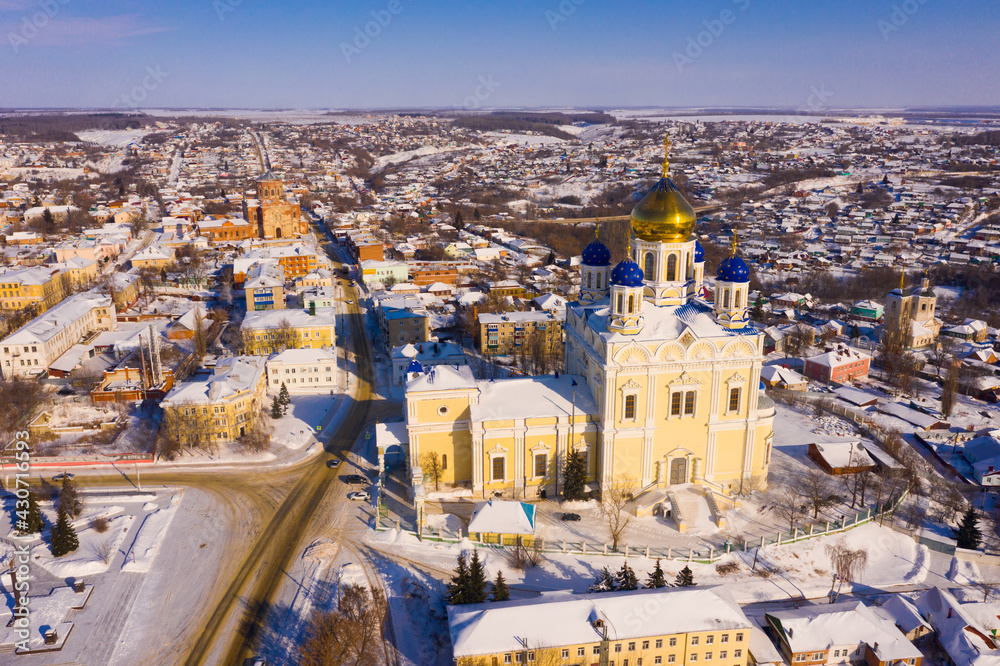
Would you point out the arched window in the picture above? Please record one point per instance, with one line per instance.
(598, 280)
(737, 298)
(631, 304)
(725, 298)
(672, 268)
(444, 461)
(589, 277)
(621, 303)
(647, 266)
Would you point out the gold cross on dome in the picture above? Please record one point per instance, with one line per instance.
(736, 239)
(597, 226)
(666, 154)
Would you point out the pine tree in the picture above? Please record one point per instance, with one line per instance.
(459, 586)
(626, 578)
(476, 591)
(605, 582)
(284, 399)
(69, 498)
(276, 411)
(64, 539)
(684, 578)
(968, 535)
(575, 477)
(757, 311)
(500, 591)
(656, 578)
(31, 522)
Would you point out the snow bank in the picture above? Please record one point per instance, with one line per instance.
(88, 559)
(147, 541)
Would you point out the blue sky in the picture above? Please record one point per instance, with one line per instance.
(587, 53)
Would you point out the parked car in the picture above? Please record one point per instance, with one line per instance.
(355, 479)
(571, 517)
(359, 496)
(64, 475)
(333, 464)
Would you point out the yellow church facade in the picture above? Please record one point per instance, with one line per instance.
(662, 387)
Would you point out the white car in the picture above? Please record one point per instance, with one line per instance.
(360, 496)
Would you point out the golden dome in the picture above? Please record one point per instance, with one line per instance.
(663, 215)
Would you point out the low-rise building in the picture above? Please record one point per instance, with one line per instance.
(840, 365)
(265, 287)
(508, 333)
(385, 272)
(676, 626)
(35, 346)
(39, 287)
(848, 632)
(153, 257)
(223, 406)
(402, 320)
(302, 371)
(273, 331)
(427, 354)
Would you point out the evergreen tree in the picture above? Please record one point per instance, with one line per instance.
(459, 586)
(276, 411)
(312, 308)
(69, 499)
(575, 477)
(459, 222)
(476, 591)
(855, 332)
(757, 311)
(31, 521)
(626, 578)
(656, 578)
(684, 578)
(49, 221)
(968, 535)
(283, 398)
(64, 539)
(476, 214)
(500, 591)
(605, 582)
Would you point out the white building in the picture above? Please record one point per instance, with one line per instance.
(302, 371)
(427, 354)
(36, 345)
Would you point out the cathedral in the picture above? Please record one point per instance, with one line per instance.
(661, 385)
(271, 214)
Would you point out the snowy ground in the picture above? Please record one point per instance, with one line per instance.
(134, 534)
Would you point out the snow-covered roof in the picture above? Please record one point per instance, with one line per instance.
(817, 628)
(776, 373)
(503, 517)
(854, 396)
(567, 619)
(301, 356)
(230, 376)
(844, 453)
(839, 357)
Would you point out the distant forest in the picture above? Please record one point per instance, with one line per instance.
(543, 123)
(63, 126)
(991, 138)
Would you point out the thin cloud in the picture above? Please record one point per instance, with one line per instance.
(80, 30)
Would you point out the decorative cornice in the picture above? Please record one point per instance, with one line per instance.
(630, 385)
(685, 380)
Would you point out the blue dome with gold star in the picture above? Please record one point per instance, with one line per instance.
(596, 254)
(733, 269)
(626, 274)
(699, 252)
(415, 367)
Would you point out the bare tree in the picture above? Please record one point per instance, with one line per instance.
(788, 506)
(430, 464)
(989, 583)
(847, 565)
(815, 488)
(200, 335)
(857, 483)
(104, 550)
(614, 500)
(257, 434)
(351, 634)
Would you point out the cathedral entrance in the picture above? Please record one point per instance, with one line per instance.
(678, 471)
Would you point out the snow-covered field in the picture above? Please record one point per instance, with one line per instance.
(117, 138)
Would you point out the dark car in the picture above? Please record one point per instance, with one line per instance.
(355, 479)
(333, 463)
(571, 517)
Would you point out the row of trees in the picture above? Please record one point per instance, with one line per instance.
(626, 580)
(469, 586)
(62, 535)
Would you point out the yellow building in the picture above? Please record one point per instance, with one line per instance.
(679, 626)
(265, 288)
(913, 315)
(226, 404)
(506, 333)
(665, 384)
(39, 287)
(274, 331)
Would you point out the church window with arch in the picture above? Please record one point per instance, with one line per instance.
(647, 266)
(672, 268)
